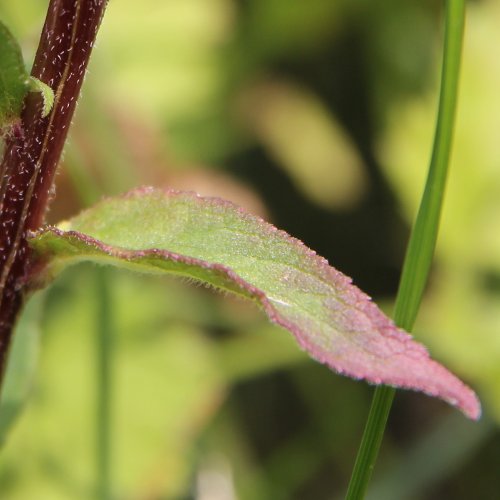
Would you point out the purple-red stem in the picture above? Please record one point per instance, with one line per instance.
(31, 157)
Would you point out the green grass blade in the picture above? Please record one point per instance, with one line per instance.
(422, 241)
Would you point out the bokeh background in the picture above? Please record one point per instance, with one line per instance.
(319, 116)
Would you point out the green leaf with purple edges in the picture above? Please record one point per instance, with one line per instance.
(213, 241)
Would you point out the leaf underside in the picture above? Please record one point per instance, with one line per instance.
(214, 241)
(13, 78)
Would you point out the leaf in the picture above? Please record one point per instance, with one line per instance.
(215, 242)
(21, 366)
(36, 85)
(13, 78)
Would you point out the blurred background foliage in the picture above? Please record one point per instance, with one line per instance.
(319, 116)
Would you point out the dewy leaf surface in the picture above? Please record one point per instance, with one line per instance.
(13, 78)
(216, 242)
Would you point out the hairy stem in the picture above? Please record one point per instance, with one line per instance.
(30, 159)
(422, 241)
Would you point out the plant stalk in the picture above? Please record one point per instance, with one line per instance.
(104, 349)
(30, 159)
(422, 242)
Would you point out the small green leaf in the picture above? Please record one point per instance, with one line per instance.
(37, 85)
(213, 241)
(13, 78)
